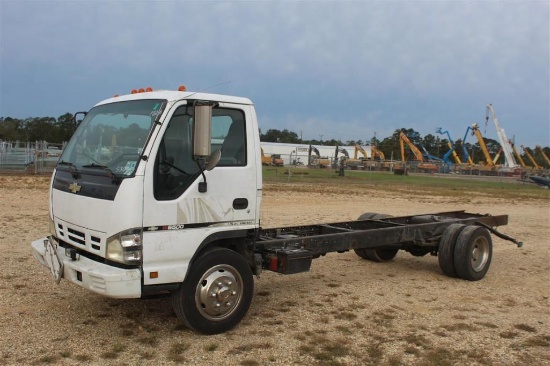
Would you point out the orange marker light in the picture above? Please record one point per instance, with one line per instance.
(116, 95)
(153, 275)
(134, 91)
(149, 89)
(141, 90)
(182, 88)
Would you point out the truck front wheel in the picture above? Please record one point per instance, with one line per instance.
(217, 292)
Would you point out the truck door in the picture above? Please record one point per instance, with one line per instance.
(171, 194)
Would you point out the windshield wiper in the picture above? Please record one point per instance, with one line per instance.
(115, 178)
(72, 168)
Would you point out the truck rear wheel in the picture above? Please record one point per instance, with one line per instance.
(473, 253)
(376, 255)
(445, 253)
(217, 292)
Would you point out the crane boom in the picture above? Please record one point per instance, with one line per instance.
(488, 158)
(519, 157)
(464, 150)
(417, 153)
(451, 145)
(526, 151)
(543, 154)
(504, 142)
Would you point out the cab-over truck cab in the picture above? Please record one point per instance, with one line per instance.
(151, 184)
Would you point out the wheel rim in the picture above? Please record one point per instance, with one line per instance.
(219, 292)
(480, 254)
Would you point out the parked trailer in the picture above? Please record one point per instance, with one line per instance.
(174, 208)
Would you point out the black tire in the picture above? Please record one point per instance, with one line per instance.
(376, 255)
(473, 253)
(445, 253)
(366, 216)
(217, 292)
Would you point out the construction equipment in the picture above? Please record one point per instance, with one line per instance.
(509, 162)
(451, 145)
(376, 153)
(277, 160)
(316, 160)
(355, 162)
(497, 155)
(403, 139)
(520, 159)
(266, 160)
(538, 148)
(464, 150)
(530, 157)
(489, 160)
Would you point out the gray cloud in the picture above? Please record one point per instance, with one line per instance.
(365, 66)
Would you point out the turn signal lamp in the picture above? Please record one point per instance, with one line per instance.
(182, 88)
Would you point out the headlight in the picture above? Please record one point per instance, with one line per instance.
(125, 247)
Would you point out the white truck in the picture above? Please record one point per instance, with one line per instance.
(159, 192)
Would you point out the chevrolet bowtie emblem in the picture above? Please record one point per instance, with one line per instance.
(74, 187)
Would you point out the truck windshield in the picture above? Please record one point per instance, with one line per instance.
(112, 137)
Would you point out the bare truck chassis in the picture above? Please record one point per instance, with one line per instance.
(461, 241)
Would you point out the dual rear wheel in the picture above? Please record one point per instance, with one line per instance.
(376, 255)
(465, 252)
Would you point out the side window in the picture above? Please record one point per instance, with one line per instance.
(228, 135)
(175, 168)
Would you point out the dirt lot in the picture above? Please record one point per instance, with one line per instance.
(345, 311)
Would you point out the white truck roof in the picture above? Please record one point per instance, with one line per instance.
(174, 95)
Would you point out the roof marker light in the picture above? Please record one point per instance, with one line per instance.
(182, 88)
(148, 89)
(141, 90)
(134, 91)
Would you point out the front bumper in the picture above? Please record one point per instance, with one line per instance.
(97, 277)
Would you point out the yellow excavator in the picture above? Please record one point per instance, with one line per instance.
(266, 160)
(375, 153)
(403, 139)
(316, 160)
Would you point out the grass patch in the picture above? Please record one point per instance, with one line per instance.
(211, 347)
(83, 357)
(176, 350)
(325, 350)
(439, 185)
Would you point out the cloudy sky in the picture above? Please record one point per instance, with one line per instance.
(336, 69)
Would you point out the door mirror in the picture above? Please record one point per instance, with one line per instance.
(202, 131)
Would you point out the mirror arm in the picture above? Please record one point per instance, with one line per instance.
(203, 187)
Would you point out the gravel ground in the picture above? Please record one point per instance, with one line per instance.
(346, 311)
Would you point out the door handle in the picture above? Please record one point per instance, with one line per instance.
(240, 203)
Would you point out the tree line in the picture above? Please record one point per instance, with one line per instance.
(59, 130)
